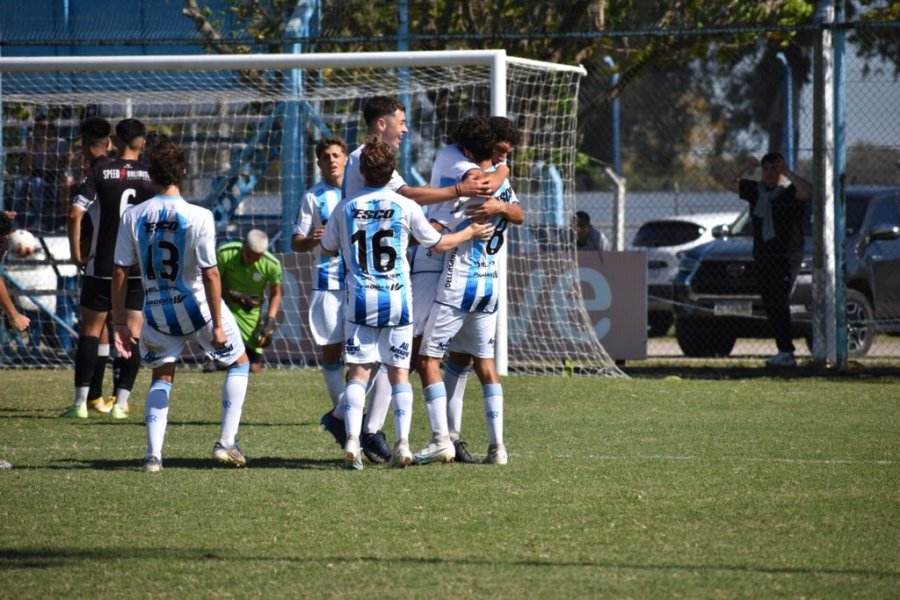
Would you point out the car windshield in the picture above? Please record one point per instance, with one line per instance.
(855, 213)
(657, 234)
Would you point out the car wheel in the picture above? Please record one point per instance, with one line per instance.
(658, 323)
(860, 324)
(700, 339)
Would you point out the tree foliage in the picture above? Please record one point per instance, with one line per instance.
(665, 52)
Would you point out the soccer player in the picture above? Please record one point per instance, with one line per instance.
(457, 365)
(385, 119)
(174, 243)
(325, 304)
(246, 269)
(372, 231)
(96, 143)
(110, 186)
(463, 319)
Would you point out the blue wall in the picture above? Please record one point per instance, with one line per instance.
(26, 26)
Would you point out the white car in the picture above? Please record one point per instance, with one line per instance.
(664, 240)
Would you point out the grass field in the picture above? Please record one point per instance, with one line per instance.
(645, 488)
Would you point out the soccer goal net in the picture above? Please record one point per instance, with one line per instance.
(249, 125)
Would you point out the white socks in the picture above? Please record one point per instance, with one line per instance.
(493, 412)
(234, 390)
(157, 416)
(402, 399)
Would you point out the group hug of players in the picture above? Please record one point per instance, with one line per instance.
(392, 288)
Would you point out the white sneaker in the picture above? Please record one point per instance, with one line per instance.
(782, 359)
(438, 450)
(496, 455)
(353, 455)
(400, 456)
(151, 464)
(231, 455)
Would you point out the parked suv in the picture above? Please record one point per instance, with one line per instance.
(716, 297)
(663, 240)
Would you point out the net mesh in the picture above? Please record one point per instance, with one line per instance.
(246, 165)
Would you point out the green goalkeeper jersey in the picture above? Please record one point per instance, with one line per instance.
(247, 281)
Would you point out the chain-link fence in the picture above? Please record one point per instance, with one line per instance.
(670, 109)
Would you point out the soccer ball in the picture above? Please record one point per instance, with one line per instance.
(22, 242)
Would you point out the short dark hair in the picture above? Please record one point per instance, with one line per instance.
(376, 163)
(477, 136)
(380, 106)
(771, 158)
(93, 130)
(167, 164)
(323, 144)
(583, 217)
(505, 130)
(128, 130)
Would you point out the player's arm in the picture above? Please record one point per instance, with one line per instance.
(330, 241)
(476, 231)
(305, 237)
(122, 337)
(18, 321)
(474, 185)
(302, 243)
(512, 212)
(731, 181)
(73, 227)
(275, 295)
(212, 285)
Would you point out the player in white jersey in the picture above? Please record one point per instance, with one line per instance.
(326, 319)
(385, 119)
(372, 232)
(463, 321)
(174, 244)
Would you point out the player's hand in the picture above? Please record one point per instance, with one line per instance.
(475, 185)
(19, 322)
(80, 262)
(123, 340)
(219, 339)
(486, 209)
(482, 231)
(316, 234)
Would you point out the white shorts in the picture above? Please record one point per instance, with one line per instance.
(158, 348)
(388, 345)
(326, 316)
(450, 329)
(424, 291)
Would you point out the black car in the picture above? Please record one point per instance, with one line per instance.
(717, 299)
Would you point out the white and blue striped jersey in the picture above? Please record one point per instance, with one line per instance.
(353, 179)
(172, 241)
(450, 166)
(469, 279)
(315, 209)
(372, 232)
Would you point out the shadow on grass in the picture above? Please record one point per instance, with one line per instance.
(706, 371)
(46, 558)
(104, 421)
(205, 464)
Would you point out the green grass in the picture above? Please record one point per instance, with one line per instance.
(643, 488)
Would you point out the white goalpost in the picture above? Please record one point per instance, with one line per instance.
(249, 123)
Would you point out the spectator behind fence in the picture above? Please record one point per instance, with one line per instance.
(39, 202)
(586, 237)
(777, 208)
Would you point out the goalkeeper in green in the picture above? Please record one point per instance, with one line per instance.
(247, 268)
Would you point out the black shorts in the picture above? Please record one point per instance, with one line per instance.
(255, 357)
(96, 294)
